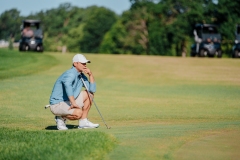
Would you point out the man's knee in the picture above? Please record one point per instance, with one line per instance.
(78, 113)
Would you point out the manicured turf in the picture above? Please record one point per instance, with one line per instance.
(21, 144)
(14, 63)
(158, 107)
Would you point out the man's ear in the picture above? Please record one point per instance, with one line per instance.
(74, 64)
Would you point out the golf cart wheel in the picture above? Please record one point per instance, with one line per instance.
(23, 48)
(193, 54)
(39, 48)
(202, 53)
(219, 54)
(236, 53)
(210, 55)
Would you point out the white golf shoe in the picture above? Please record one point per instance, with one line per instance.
(85, 123)
(61, 123)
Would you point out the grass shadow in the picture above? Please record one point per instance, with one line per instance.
(55, 127)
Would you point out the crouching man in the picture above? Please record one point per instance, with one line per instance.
(67, 101)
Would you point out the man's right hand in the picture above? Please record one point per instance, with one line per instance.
(74, 106)
(73, 103)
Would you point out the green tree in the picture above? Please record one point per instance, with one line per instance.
(99, 22)
(173, 24)
(74, 27)
(10, 22)
(72, 39)
(159, 27)
(130, 34)
(114, 40)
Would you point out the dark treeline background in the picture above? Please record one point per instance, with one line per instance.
(151, 27)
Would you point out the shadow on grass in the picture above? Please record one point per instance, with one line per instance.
(55, 127)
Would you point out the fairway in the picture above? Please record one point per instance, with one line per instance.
(158, 108)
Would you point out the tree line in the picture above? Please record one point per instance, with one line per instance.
(150, 27)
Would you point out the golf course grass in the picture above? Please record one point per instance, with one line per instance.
(158, 108)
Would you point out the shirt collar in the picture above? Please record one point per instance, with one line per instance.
(75, 70)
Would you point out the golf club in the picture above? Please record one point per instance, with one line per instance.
(47, 106)
(94, 103)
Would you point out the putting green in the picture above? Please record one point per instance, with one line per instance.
(219, 146)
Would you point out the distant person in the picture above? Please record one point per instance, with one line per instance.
(209, 40)
(197, 40)
(27, 32)
(211, 37)
(67, 101)
(38, 33)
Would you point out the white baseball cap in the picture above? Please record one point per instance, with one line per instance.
(80, 58)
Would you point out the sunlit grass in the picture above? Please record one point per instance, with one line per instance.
(14, 63)
(24, 133)
(155, 105)
(20, 144)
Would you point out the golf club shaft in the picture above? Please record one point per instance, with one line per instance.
(93, 102)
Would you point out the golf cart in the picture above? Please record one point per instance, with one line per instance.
(207, 41)
(236, 46)
(31, 36)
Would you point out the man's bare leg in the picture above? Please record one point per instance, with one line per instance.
(84, 122)
(83, 112)
(77, 114)
(87, 104)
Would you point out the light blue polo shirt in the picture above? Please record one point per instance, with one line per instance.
(69, 84)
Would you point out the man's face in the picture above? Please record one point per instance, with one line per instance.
(80, 66)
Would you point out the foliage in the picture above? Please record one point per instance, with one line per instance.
(99, 22)
(153, 27)
(114, 40)
(10, 22)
